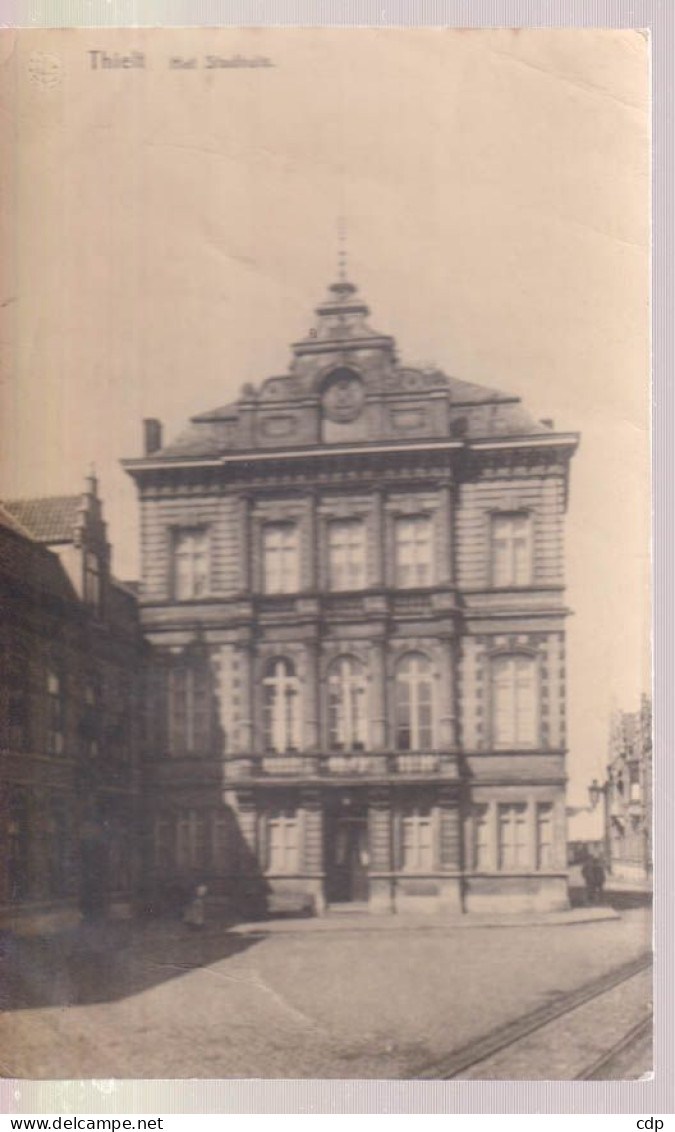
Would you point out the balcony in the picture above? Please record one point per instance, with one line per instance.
(339, 764)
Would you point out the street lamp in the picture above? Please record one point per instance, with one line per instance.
(594, 792)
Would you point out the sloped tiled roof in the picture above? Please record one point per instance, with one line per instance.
(49, 520)
(11, 522)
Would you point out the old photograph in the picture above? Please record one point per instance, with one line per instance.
(325, 682)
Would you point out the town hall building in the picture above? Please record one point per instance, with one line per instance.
(352, 583)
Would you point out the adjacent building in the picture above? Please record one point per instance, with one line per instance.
(70, 697)
(629, 793)
(352, 585)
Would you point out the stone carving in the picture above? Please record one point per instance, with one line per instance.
(344, 397)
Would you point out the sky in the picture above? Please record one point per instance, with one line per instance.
(173, 228)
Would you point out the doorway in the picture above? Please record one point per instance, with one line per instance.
(346, 855)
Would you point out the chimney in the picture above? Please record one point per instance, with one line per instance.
(92, 482)
(152, 436)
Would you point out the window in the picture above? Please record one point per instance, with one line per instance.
(92, 580)
(513, 836)
(55, 712)
(91, 720)
(164, 844)
(413, 703)
(514, 701)
(545, 836)
(191, 840)
(482, 846)
(281, 706)
(414, 551)
(416, 838)
(189, 704)
(190, 564)
(347, 554)
(346, 705)
(281, 558)
(15, 676)
(282, 830)
(511, 550)
(57, 851)
(635, 789)
(18, 848)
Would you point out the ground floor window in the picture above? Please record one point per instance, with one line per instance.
(282, 841)
(545, 836)
(513, 836)
(416, 838)
(57, 851)
(512, 831)
(18, 848)
(482, 840)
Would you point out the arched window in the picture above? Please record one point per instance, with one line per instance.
(347, 712)
(281, 703)
(514, 701)
(414, 692)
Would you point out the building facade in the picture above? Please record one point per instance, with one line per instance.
(70, 698)
(629, 794)
(352, 583)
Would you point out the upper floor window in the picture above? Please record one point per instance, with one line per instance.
(511, 550)
(416, 838)
(189, 703)
(190, 564)
(414, 693)
(281, 704)
(347, 715)
(414, 551)
(281, 558)
(92, 580)
(514, 701)
(91, 726)
(55, 712)
(347, 554)
(15, 676)
(282, 841)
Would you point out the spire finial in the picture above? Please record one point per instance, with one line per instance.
(342, 249)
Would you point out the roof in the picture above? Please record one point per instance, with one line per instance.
(8, 520)
(49, 520)
(285, 411)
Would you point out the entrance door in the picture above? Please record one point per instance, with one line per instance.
(347, 858)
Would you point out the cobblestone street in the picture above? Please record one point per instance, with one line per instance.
(155, 1001)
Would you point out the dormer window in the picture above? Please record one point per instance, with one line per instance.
(190, 564)
(92, 580)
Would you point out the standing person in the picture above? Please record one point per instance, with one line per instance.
(195, 913)
(598, 879)
(589, 873)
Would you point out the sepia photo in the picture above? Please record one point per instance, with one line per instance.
(325, 683)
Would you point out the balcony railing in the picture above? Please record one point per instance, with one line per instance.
(334, 764)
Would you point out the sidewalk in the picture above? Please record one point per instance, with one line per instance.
(368, 922)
